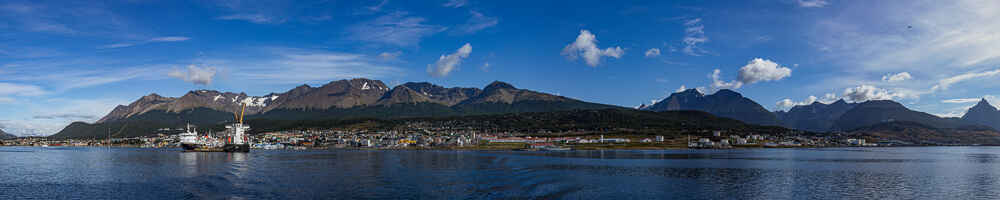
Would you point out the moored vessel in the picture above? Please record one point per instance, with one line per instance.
(189, 140)
(237, 141)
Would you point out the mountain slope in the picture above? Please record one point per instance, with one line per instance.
(5, 135)
(983, 114)
(724, 103)
(816, 117)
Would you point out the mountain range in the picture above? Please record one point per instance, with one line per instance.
(819, 117)
(355, 98)
(365, 98)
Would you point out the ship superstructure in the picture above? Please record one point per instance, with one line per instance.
(237, 141)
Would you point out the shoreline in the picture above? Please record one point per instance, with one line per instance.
(571, 148)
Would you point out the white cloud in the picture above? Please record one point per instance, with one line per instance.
(485, 67)
(390, 55)
(455, 3)
(813, 3)
(62, 75)
(902, 76)
(922, 36)
(785, 104)
(156, 39)
(253, 18)
(297, 66)
(867, 92)
(756, 70)
(718, 84)
(68, 116)
(477, 22)
(966, 100)
(194, 74)
(20, 89)
(169, 39)
(116, 45)
(378, 6)
(681, 89)
(955, 113)
(65, 18)
(48, 116)
(652, 52)
(694, 35)
(947, 82)
(586, 46)
(395, 29)
(762, 70)
(829, 98)
(450, 62)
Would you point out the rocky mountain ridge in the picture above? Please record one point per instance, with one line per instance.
(724, 103)
(355, 98)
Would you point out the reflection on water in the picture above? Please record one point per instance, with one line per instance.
(851, 173)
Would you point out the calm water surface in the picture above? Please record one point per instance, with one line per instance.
(847, 173)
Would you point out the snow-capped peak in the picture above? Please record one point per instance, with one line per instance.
(365, 86)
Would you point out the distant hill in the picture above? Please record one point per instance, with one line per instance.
(724, 103)
(343, 99)
(816, 117)
(918, 133)
(983, 114)
(5, 135)
(882, 111)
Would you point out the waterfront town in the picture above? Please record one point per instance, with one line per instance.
(422, 135)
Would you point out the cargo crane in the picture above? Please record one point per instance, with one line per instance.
(238, 141)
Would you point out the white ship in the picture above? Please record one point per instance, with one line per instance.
(190, 140)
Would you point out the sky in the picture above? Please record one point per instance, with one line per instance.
(65, 61)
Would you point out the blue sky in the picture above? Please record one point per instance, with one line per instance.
(64, 61)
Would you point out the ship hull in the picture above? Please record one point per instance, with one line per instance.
(189, 147)
(236, 148)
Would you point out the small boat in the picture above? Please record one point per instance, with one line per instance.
(556, 149)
